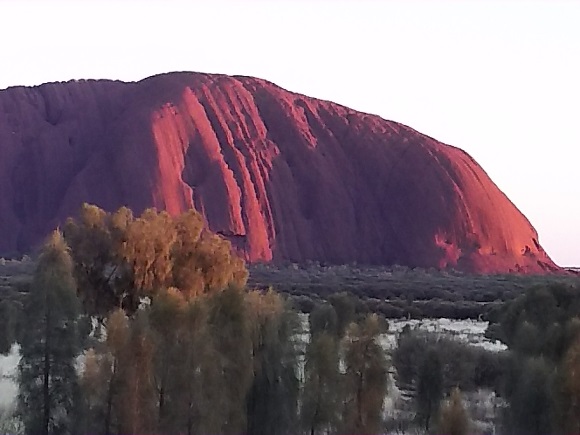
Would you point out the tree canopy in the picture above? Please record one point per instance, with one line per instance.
(50, 343)
(120, 258)
(541, 329)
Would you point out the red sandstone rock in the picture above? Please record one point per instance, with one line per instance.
(284, 176)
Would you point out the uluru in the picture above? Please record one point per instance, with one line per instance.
(284, 177)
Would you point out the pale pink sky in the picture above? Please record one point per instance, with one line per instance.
(500, 79)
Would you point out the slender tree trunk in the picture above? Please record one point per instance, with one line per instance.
(189, 413)
(161, 407)
(110, 399)
(192, 386)
(135, 406)
(359, 404)
(46, 385)
(189, 423)
(314, 418)
(316, 411)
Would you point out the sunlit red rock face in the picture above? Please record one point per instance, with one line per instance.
(283, 176)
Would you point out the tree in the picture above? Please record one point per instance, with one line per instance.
(166, 319)
(137, 398)
(344, 306)
(120, 259)
(323, 318)
(539, 328)
(98, 268)
(537, 322)
(114, 361)
(196, 400)
(94, 385)
(50, 343)
(322, 395)
(453, 419)
(530, 403)
(9, 313)
(103, 377)
(366, 377)
(273, 396)
(408, 355)
(9, 422)
(187, 385)
(464, 366)
(117, 381)
(571, 389)
(229, 330)
(429, 387)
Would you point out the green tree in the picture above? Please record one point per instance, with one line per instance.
(410, 351)
(187, 385)
(429, 388)
(196, 399)
(537, 323)
(464, 366)
(322, 395)
(323, 318)
(539, 328)
(230, 332)
(166, 318)
(366, 377)
(345, 307)
(531, 402)
(273, 396)
(9, 314)
(50, 343)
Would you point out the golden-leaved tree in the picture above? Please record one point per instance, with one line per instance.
(453, 418)
(120, 258)
(366, 377)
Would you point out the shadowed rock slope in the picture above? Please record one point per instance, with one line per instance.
(285, 177)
